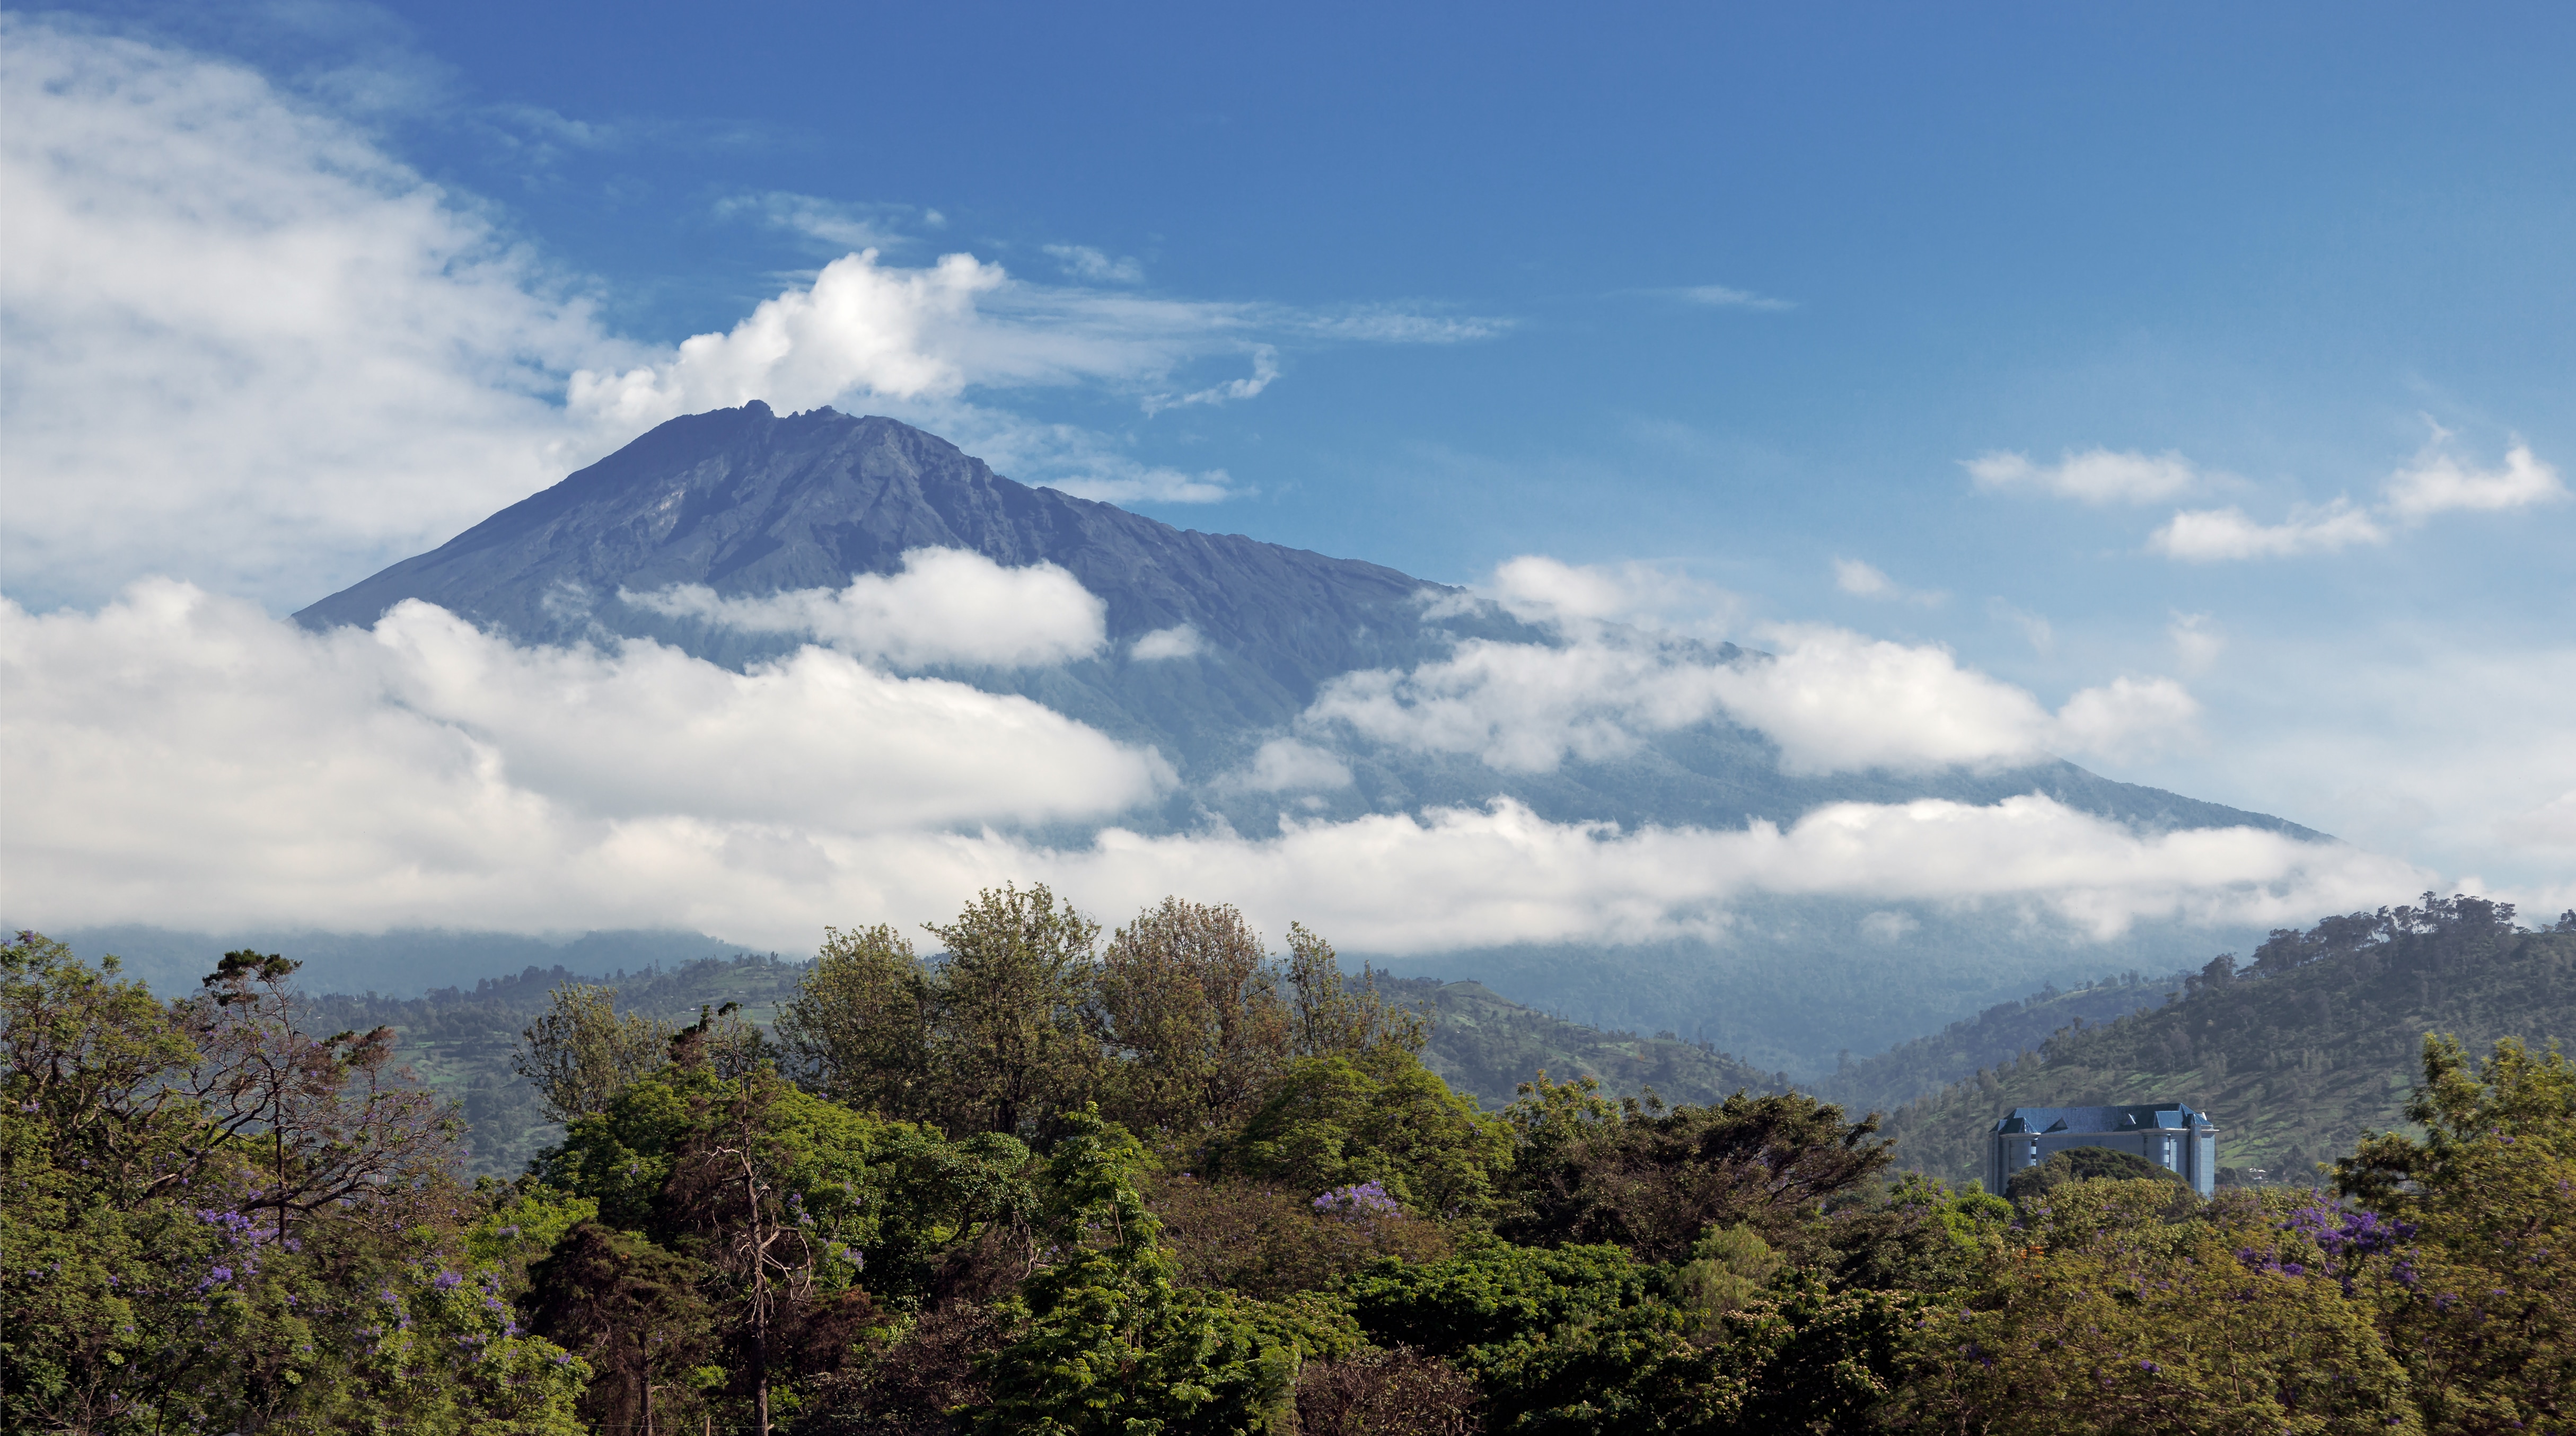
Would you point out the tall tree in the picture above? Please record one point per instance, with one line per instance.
(632, 1308)
(859, 1026)
(1194, 1017)
(581, 1052)
(334, 1114)
(1334, 1019)
(1015, 1037)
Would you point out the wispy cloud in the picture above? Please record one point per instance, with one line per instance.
(2035, 629)
(1863, 580)
(2095, 476)
(2196, 640)
(1092, 266)
(1719, 296)
(1265, 369)
(2437, 481)
(838, 224)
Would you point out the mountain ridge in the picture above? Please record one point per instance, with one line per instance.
(749, 504)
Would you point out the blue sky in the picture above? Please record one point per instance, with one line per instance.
(1737, 294)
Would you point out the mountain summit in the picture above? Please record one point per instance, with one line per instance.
(750, 504)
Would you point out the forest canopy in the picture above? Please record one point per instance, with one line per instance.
(1053, 1177)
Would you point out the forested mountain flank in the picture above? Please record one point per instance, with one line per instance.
(2001, 1033)
(2296, 1052)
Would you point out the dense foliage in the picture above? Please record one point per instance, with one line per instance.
(1164, 1182)
(2299, 1050)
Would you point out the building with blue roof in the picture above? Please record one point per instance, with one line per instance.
(2168, 1134)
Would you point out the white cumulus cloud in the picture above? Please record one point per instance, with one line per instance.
(1578, 597)
(1833, 700)
(947, 606)
(2439, 482)
(1179, 641)
(2095, 476)
(187, 760)
(2215, 535)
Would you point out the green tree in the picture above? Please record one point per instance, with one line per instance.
(151, 1152)
(1014, 1042)
(2120, 1318)
(1377, 1115)
(1653, 1179)
(635, 1310)
(859, 1026)
(1329, 1017)
(581, 1051)
(1194, 1017)
(2482, 1311)
(1575, 1339)
(1108, 1343)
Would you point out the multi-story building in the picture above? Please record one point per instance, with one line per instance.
(2168, 1134)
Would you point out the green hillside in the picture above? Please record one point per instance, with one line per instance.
(2296, 1054)
(459, 1040)
(1486, 1045)
(1922, 1067)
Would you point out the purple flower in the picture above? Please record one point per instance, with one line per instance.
(1367, 1199)
(448, 1281)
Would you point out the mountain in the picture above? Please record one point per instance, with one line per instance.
(749, 504)
(2314, 1042)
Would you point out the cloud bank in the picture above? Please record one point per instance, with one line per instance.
(1832, 700)
(184, 759)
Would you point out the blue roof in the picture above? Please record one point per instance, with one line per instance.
(2169, 1115)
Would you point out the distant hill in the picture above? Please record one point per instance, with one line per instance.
(404, 962)
(1926, 1065)
(1486, 1045)
(2296, 1053)
(459, 1040)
